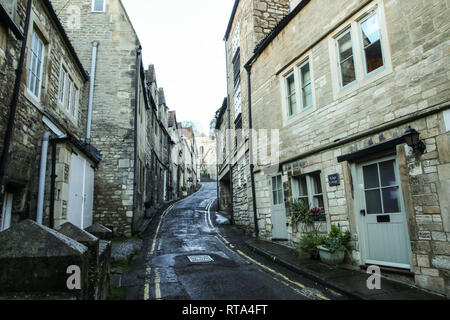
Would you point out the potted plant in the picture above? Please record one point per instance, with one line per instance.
(309, 244)
(184, 191)
(332, 250)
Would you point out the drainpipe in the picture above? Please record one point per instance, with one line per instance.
(229, 136)
(42, 173)
(15, 99)
(91, 90)
(252, 165)
(136, 111)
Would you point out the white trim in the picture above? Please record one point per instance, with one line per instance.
(447, 119)
(6, 212)
(35, 36)
(53, 127)
(362, 78)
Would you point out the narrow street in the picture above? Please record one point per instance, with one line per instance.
(188, 230)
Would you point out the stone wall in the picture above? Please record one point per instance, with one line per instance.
(113, 105)
(412, 90)
(24, 155)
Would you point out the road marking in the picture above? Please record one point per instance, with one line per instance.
(148, 272)
(152, 251)
(298, 284)
(157, 285)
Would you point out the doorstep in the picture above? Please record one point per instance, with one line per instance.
(349, 282)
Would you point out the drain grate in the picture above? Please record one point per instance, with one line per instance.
(200, 259)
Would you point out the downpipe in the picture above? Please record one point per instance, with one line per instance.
(42, 174)
(91, 91)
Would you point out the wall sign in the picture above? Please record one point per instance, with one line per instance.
(334, 180)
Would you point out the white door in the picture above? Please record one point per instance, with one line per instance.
(6, 212)
(81, 192)
(279, 221)
(383, 225)
(88, 195)
(76, 191)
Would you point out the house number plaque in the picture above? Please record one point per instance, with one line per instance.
(334, 180)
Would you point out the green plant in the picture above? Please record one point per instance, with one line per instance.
(302, 213)
(308, 245)
(336, 240)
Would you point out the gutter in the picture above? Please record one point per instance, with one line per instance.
(252, 165)
(15, 99)
(136, 111)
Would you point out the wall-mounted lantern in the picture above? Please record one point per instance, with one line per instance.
(412, 139)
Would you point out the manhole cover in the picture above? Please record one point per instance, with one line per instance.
(200, 259)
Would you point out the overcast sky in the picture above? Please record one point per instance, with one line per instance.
(184, 40)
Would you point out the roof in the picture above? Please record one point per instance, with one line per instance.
(264, 43)
(230, 22)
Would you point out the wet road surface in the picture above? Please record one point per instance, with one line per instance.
(186, 256)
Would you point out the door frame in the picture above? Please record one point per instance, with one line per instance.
(6, 211)
(285, 227)
(358, 198)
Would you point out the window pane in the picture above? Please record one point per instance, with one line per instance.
(346, 63)
(373, 202)
(390, 200)
(275, 197)
(387, 174)
(371, 34)
(302, 189)
(98, 5)
(280, 197)
(274, 183)
(292, 102)
(307, 96)
(69, 91)
(62, 82)
(317, 185)
(318, 201)
(371, 177)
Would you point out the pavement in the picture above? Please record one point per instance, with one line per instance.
(352, 283)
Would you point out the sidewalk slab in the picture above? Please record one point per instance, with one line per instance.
(349, 282)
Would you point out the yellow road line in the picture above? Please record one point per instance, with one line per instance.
(157, 285)
(320, 296)
(147, 283)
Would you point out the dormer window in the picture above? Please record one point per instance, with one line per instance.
(98, 5)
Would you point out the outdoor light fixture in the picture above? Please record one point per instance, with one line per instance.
(412, 140)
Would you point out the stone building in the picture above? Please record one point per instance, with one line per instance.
(347, 98)
(129, 115)
(222, 152)
(190, 158)
(47, 164)
(250, 22)
(206, 150)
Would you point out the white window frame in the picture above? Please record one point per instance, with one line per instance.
(62, 85)
(360, 22)
(354, 25)
(68, 94)
(309, 188)
(302, 85)
(343, 34)
(93, 6)
(35, 36)
(289, 95)
(300, 110)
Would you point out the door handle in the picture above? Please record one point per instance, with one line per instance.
(363, 212)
